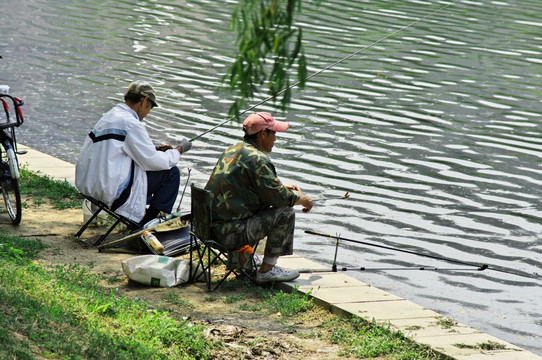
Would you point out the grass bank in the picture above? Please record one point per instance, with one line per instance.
(70, 312)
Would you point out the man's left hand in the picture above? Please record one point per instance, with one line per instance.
(292, 187)
(163, 147)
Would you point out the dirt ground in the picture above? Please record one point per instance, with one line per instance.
(284, 338)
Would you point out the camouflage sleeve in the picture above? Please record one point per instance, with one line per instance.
(271, 189)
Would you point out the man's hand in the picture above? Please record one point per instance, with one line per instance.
(163, 147)
(292, 187)
(306, 202)
(184, 145)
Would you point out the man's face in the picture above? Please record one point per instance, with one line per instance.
(268, 138)
(145, 106)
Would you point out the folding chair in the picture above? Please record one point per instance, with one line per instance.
(241, 264)
(103, 207)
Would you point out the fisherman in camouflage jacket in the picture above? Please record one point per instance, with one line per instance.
(249, 202)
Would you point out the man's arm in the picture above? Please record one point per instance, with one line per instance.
(304, 200)
(183, 147)
(140, 148)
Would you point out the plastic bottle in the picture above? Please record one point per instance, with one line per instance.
(151, 240)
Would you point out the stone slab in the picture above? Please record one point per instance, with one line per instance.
(47, 165)
(468, 345)
(504, 355)
(431, 326)
(386, 311)
(354, 295)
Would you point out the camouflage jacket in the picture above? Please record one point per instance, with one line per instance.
(244, 182)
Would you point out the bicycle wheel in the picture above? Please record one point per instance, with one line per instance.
(9, 181)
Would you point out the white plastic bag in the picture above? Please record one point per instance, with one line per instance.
(155, 270)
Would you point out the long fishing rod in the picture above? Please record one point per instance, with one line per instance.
(480, 267)
(533, 276)
(365, 269)
(327, 67)
(334, 267)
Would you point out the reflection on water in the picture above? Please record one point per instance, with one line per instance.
(435, 132)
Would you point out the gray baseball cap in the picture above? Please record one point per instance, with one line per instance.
(141, 87)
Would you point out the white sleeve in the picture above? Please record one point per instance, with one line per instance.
(138, 145)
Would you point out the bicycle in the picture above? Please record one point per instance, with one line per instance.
(9, 164)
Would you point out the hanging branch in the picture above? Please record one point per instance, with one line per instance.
(269, 46)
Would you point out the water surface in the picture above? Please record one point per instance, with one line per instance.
(435, 132)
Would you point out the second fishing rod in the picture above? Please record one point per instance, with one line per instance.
(480, 267)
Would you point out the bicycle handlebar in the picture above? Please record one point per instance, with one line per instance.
(17, 103)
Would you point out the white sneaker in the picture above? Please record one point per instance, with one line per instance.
(258, 259)
(276, 274)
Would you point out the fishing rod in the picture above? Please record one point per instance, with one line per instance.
(480, 267)
(365, 269)
(335, 269)
(182, 195)
(533, 276)
(327, 67)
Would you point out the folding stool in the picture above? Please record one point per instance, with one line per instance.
(130, 224)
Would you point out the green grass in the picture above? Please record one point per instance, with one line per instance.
(286, 304)
(64, 313)
(174, 299)
(41, 188)
(366, 340)
(489, 345)
(446, 323)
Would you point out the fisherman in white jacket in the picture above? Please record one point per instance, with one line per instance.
(120, 166)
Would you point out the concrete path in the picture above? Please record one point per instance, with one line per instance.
(47, 165)
(344, 295)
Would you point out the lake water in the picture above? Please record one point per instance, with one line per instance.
(435, 132)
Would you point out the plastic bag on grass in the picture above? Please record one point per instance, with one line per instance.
(161, 271)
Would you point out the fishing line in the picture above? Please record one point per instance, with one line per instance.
(329, 67)
(335, 269)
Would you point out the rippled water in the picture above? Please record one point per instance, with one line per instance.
(435, 132)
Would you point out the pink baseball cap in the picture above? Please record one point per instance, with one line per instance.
(259, 121)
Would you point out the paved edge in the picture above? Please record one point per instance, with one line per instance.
(48, 165)
(346, 296)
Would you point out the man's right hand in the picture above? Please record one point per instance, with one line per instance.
(306, 202)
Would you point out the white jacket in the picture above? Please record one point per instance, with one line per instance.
(104, 167)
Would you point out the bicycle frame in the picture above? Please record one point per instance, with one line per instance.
(7, 140)
(9, 164)
(7, 126)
